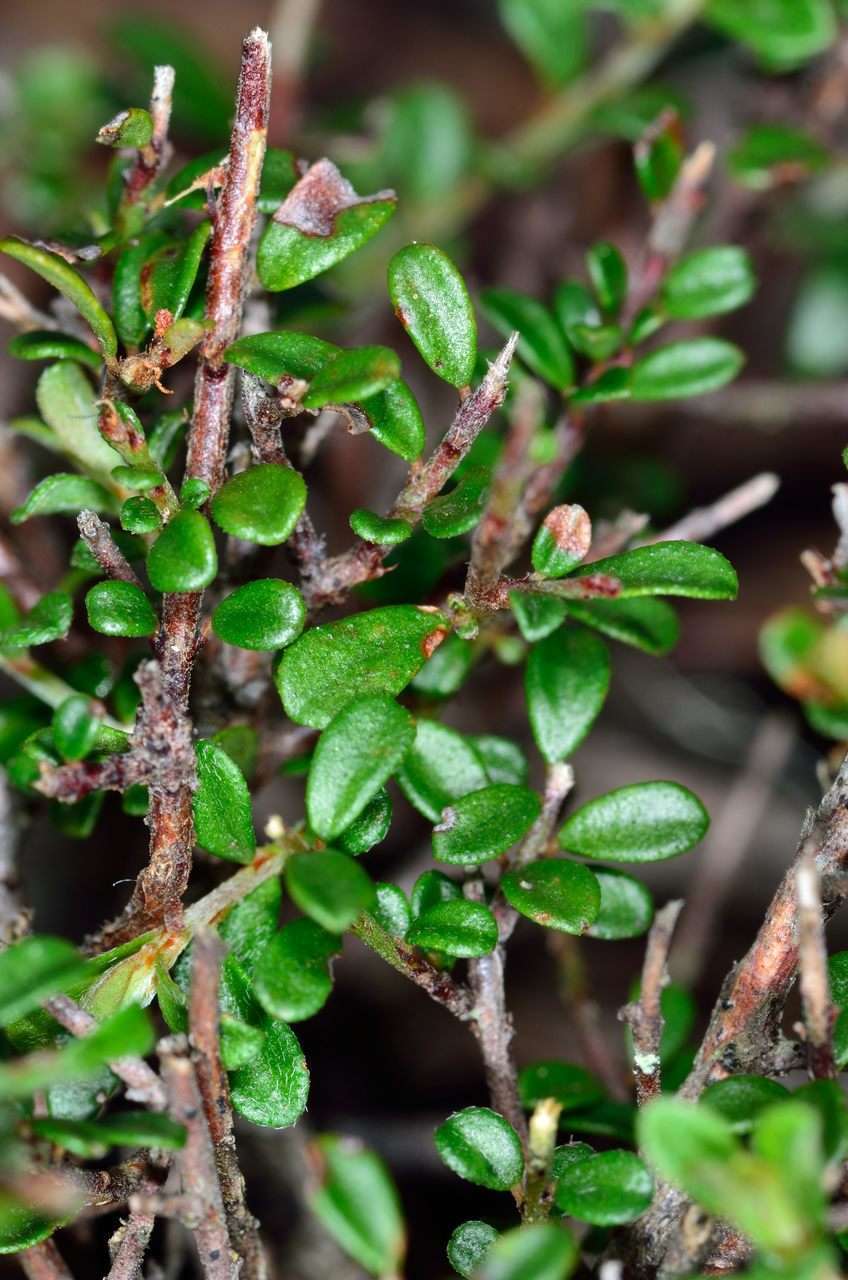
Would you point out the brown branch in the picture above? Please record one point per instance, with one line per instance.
(207, 951)
(71, 782)
(128, 1245)
(96, 535)
(438, 985)
(814, 982)
(761, 404)
(196, 1161)
(44, 1262)
(143, 1084)
(706, 522)
(645, 1015)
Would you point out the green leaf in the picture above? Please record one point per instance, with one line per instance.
(279, 174)
(358, 751)
(64, 494)
(565, 684)
(551, 36)
(542, 1251)
(468, 1246)
(562, 541)
(688, 368)
(329, 887)
(837, 967)
(503, 759)
(48, 620)
(127, 1033)
(671, 569)
(537, 615)
(272, 1088)
(396, 420)
(33, 969)
(739, 1099)
(379, 529)
(612, 384)
(484, 823)
(370, 827)
(626, 909)
(428, 142)
(555, 893)
(782, 33)
(183, 557)
(357, 1203)
(457, 512)
(262, 504)
(456, 927)
(691, 1146)
(374, 652)
(280, 356)
(608, 273)
(440, 767)
(771, 153)
(650, 625)
(391, 910)
(120, 609)
(140, 515)
(222, 815)
(708, 282)
(445, 673)
(431, 888)
(480, 1146)
(51, 267)
(168, 277)
(252, 923)
(67, 403)
(21, 1227)
(816, 343)
(431, 301)
(130, 128)
(89, 1138)
(292, 979)
(75, 727)
(658, 158)
(643, 822)
(541, 345)
(321, 221)
(264, 614)
(240, 1043)
(606, 1190)
(47, 344)
(352, 375)
(570, 1085)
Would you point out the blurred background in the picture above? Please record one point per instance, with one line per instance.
(418, 96)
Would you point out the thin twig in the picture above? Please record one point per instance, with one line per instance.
(439, 986)
(98, 538)
(128, 1245)
(812, 961)
(15, 916)
(706, 522)
(143, 1084)
(645, 1015)
(44, 1262)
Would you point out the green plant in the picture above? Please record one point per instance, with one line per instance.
(181, 569)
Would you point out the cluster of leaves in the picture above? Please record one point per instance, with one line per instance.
(375, 684)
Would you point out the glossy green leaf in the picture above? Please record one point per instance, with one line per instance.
(68, 404)
(671, 569)
(57, 272)
(457, 512)
(120, 609)
(379, 529)
(570, 1085)
(130, 128)
(445, 673)
(292, 978)
(503, 759)
(484, 823)
(357, 1203)
(279, 174)
(608, 273)
(396, 420)
(606, 1190)
(127, 1033)
(688, 368)
(837, 967)
(658, 158)
(168, 277)
(481, 1147)
(456, 927)
(554, 893)
(48, 620)
(22, 1227)
(374, 652)
(262, 504)
(183, 557)
(272, 1088)
(64, 494)
(650, 625)
(643, 822)
(321, 221)
(251, 924)
(542, 1251)
(431, 301)
(358, 751)
(391, 910)
(739, 1099)
(562, 541)
(370, 827)
(431, 888)
(537, 615)
(329, 887)
(771, 153)
(280, 356)
(565, 683)
(75, 727)
(782, 33)
(440, 767)
(352, 375)
(551, 36)
(626, 909)
(223, 822)
(541, 345)
(612, 384)
(708, 282)
(469, 1245)
(264, 614)
(31, 970)
(48, 344)
(140, 515)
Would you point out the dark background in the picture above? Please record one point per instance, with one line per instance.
(386, 1063)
